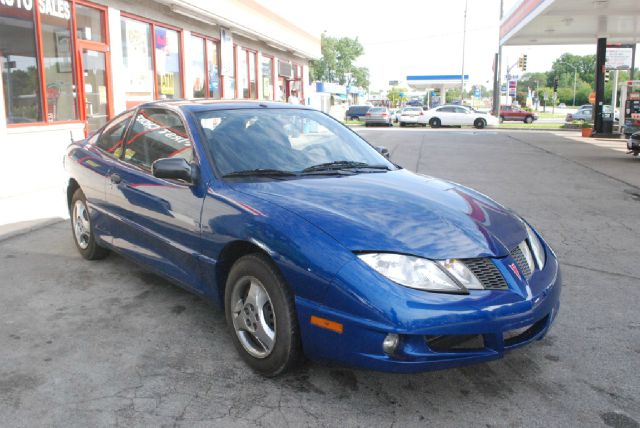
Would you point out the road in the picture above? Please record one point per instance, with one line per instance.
(105, 343)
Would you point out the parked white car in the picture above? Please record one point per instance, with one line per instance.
(454, 115)
(410, 116)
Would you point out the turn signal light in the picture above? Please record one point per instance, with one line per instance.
(328, 324)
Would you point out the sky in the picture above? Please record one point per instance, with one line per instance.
(416, 37)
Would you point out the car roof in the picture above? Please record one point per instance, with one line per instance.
(209, 105)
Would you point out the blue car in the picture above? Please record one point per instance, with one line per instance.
(312, 242)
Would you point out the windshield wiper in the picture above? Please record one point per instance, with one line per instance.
(335, 165)
(260, 172)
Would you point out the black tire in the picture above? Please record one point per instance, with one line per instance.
(424, 125)
(287, 349)
(528, 119)
(435, 122)
(501, 119)
(480, 123)
(81, 218)
(366, 124)
(402, 124)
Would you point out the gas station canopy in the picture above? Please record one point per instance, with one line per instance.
(565, 22)
(435, 81)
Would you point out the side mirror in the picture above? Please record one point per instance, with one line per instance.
(382, 150)
(174, 168)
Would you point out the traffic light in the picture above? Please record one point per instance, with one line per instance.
(555, 85)
(520, 61)
(606, 76)
(524, 62)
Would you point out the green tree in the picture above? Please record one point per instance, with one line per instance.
(394, 97)
(337, 63)
(563, 67)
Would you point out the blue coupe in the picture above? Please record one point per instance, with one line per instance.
(312, 241)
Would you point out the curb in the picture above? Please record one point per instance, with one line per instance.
(30, 226)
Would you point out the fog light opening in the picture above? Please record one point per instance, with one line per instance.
(390, 343)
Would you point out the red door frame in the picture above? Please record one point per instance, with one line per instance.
(103, 47)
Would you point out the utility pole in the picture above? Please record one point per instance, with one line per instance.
(497, 86)
(464, 42)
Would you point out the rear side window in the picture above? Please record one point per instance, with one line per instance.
(110, 140)
(157, 133)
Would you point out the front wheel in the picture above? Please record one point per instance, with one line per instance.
(528, 119)
(83, 234)
(480, 123)
(435, 123)
(261, 316)
(501, 119)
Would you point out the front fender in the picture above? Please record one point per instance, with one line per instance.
(307, 257)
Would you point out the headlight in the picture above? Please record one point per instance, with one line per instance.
(447, 276)
(536, 246)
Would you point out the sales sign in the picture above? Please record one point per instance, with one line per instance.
(513, 85)
(619, 57)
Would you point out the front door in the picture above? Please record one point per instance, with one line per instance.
(93, 57)
(94, 88)
(157, 220)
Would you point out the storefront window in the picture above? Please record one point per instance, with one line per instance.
(213, 70)
(168, 63)
(267, 78)
(19, 64)
(89, 24)
(253, 89)
(59, 68)
(243, 76)
(137, 61)
(197, 70)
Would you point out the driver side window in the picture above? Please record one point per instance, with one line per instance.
(157, 133)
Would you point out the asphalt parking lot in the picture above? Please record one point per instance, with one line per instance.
(105, 343)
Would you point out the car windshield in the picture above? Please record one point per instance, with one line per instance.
(377, 110)
(290, 141)
(412, 109)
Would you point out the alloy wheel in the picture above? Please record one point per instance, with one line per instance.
(253, 318)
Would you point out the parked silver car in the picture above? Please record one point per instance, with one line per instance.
(378, 116)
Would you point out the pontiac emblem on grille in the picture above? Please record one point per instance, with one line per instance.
(515, 270)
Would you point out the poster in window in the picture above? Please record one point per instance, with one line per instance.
(140, 79)
(226, 52)
(63, 51)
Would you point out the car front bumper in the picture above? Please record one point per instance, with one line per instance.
(494, 322)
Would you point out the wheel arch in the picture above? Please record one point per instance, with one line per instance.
(72, 186)
(230, 254)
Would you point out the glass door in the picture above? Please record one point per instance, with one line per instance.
(95, 88)
(92, 53)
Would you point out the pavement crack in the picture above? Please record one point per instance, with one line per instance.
(606, 272)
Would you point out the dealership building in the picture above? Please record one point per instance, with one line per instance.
(68, 66)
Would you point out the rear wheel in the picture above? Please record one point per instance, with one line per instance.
(402, 124)
(501, 119)
(528, 119)
(82, 229)
(480, 123)
(261, 316)
(435, 123)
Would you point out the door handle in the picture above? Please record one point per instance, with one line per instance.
(115, 178)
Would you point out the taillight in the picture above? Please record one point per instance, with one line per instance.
(368, 114)
(421, 114)
(384, 115)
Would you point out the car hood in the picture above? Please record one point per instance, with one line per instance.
(398, 212)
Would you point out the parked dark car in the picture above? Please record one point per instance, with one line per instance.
(356, 112)
(309, 239)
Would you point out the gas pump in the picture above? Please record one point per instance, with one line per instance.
(630, 100)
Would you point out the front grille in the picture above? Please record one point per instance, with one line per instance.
(521, 261)
(455, 342)
(487, 273)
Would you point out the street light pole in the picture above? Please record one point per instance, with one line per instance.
(464, 41)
